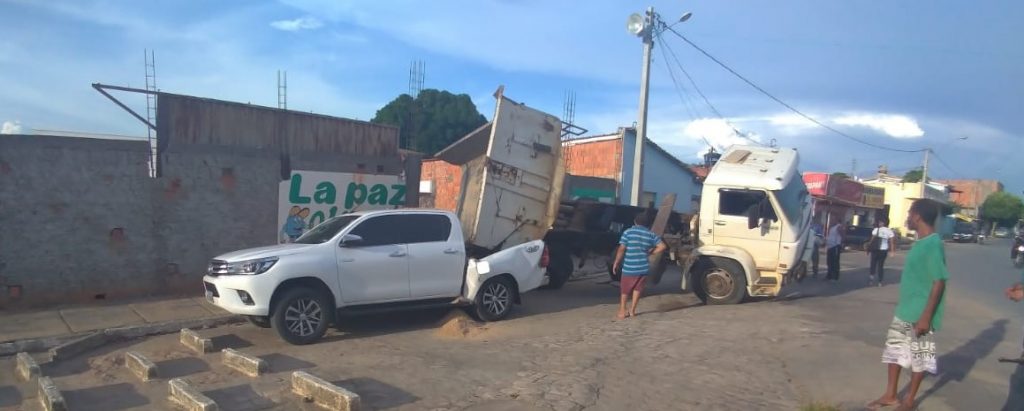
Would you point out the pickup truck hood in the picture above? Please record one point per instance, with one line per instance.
(263, 252)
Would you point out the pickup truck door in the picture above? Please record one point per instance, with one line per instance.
(377, 269)
(731, 228)
(437, 256)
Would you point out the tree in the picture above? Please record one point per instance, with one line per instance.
(1003, 208)
(913, 176)
(432, 120)
(840, 174)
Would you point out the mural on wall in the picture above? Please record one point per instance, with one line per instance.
(310, 197)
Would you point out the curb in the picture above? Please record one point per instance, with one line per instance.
(34, 345)
(186, 396)
(323, 393)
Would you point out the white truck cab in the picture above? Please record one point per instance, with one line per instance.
(370, 261)
(753, 226)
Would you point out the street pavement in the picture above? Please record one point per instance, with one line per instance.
(562, 350)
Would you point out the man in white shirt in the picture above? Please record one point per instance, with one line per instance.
(883, 241)
(834, 245)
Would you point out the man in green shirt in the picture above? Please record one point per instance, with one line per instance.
(910, 341)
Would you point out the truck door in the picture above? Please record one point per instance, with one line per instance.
(731, 226)
(376, 269)
(437, 256)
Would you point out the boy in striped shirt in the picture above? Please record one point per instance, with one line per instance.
(636, 244)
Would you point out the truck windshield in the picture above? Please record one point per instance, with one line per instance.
(326, 230)
(792, 198)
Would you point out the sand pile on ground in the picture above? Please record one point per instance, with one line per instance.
(458, 324)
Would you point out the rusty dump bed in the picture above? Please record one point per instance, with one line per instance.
(512, 176)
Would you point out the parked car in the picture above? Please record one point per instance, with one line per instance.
(857, 237)
(1001, 232)
(370, 261)
(964, 237)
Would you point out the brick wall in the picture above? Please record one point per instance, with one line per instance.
(972, 193)
(447, 181)
(601, 158)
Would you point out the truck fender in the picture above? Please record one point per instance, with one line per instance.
(739, 255)
(521, 262)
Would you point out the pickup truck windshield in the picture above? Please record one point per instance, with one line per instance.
(326, 230)
(792, 198)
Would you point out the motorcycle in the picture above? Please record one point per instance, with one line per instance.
(1017, 252)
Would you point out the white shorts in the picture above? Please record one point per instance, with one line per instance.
(904, 348)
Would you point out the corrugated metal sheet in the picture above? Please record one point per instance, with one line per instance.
(187, 120)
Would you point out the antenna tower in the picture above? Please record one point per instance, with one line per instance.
(149, 58)
(417, 76)
(282, 90)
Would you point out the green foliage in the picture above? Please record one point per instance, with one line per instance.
(1003, 208)
(432, 120)
(840, 174)
(913, 176)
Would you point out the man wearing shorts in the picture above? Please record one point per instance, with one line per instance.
(910, 341)
(636, 244)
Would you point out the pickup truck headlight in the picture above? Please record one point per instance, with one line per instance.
(252, 267)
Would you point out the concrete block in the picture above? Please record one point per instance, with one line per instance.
(49, 396)
(246, 364)
(324, 393)
(195, 342)
(78, 346)
(184, 395)
(139, 365)
(27, 367)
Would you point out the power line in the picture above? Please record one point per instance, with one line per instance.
(943, 162)
(689, 106)
(679, 89)
(783, 103)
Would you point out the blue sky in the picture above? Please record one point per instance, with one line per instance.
(907, 74)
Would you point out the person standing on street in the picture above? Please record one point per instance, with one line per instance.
(834, 245)
(883, 242)
(910, 341)
(635, 245)
(819, 239)
(1016, 294)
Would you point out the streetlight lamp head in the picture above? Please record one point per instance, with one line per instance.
(635, 24)
(685, 16)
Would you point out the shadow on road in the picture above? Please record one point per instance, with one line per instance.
(957, 364)
(376, 394)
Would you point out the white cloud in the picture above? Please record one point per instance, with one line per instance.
(895, 125)
(718, 132)
(301, 23)
(11, 127)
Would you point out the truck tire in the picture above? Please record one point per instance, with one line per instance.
(301, 316)
(559, 269)
(259, 320)
(494, 300)
(720, 281)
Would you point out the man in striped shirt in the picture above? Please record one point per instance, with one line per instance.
(636, 244)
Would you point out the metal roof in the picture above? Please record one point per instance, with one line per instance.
(751, 166)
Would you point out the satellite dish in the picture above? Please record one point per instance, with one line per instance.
(635, 24)
(685, 16)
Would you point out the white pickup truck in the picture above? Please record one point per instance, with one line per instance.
(370, 261)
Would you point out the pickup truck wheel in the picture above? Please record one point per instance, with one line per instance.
(302, 315)
(259, 320)
(494, 300)
(721, 281)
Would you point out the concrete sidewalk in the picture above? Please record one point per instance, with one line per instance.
(56, 322)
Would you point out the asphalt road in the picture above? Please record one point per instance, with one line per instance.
(981, 325)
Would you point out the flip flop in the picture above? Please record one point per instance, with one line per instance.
(878, 404)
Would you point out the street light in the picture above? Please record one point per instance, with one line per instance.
(644, 27)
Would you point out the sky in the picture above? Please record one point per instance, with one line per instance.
(912, 74)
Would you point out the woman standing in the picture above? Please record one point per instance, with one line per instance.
(883, 240)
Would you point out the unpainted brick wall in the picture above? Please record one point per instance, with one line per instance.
(447, 181)
(594, 159)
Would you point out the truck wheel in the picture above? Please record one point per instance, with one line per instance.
(721, 281)
(559, 269)
(259, 320)
(494, 300)
(302, 315)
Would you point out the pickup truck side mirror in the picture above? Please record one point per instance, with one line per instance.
(350, 240)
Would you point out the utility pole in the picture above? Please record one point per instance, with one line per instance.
(641, 126)
(924, 173)
(853, 169)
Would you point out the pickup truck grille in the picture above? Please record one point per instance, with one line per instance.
(217, 267)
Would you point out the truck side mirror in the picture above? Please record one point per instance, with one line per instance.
(350, 240)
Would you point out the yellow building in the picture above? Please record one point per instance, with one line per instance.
(899, 196)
